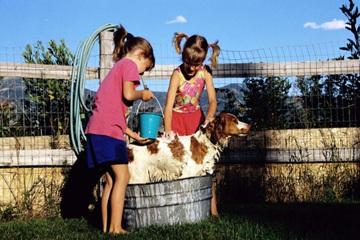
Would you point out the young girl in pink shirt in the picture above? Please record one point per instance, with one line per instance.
(106, 146)
(182, 113)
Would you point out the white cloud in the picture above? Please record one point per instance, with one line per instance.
(332, 25)
(177, 19)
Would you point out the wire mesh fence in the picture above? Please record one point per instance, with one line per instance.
(297, 87)
(30, 191)
(302, 102)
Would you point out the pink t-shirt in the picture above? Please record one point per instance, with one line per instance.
(108, 114)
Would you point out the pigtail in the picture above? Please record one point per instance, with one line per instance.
(178, 36)
(125, 43)
(215, 54)
(119, 39)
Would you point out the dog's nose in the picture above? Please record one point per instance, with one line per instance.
(242, 125)
(244, 128)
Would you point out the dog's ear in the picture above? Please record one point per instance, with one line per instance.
(219, 129)
(212, 129)
(208, 129)
(222, 114)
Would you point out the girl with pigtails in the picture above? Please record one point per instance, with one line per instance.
(182, 113)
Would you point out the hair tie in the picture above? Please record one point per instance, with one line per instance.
(212, 45)
(128, 36)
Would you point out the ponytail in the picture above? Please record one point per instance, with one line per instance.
(178, 36)
(215, 54)
(125, 42)
(120, 36)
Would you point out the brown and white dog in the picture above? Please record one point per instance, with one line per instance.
(184, 156)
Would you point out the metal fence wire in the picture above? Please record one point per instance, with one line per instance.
(303, 103)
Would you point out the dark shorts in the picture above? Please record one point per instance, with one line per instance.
(102, 151)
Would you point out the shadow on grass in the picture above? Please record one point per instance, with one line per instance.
(310, 220)
(77, 196)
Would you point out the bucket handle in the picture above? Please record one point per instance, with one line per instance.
(138, 107)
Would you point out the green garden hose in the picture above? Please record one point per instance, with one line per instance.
(78, 108)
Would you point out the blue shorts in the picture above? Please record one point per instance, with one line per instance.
(102, 151)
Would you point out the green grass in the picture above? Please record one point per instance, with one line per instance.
(265, 221)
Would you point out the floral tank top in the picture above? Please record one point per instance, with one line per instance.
(189, 91)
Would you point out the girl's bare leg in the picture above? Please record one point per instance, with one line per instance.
(105, 199)
(121, 179)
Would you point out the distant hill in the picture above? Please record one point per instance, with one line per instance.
(13, 89)
(235, 88)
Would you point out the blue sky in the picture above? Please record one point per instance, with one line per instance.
(237, 24)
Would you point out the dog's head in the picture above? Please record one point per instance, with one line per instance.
(224, 126)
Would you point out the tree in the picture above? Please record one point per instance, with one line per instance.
(266, 100)
(47, 102)
(350, 84)
(353, 45)
(333, 100)
(312, 111)
(227, 99)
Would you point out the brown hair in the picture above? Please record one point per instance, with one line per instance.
(195, 49)
(126, 42)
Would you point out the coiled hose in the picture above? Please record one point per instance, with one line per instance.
(78, 108)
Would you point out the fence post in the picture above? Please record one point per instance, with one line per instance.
(106, 49)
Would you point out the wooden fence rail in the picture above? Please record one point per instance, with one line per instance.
(281, 69)
(42, 71)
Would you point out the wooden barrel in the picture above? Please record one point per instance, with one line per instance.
(171, 202)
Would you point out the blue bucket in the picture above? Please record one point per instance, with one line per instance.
(149, 124)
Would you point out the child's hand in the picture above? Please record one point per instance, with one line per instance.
(208, 120)
(140, 139)
(146, 95)
(136, 136)
(168, 136)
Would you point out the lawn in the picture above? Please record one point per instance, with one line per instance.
(257, 221)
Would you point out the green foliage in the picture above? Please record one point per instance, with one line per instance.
(7, 213)
(266, 100)
(353, 45)
(9, 122)
(231, 104)
(48, 100)
(333, 100)
(311, 112)
(54, 54)
(321, 101)
(350, 88)
(330, 101)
